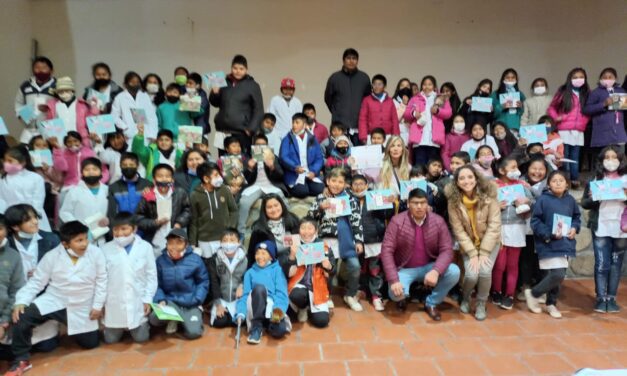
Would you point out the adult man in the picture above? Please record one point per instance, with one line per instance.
(345, 90)
(417, 247)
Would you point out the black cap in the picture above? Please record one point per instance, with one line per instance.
(179, 233)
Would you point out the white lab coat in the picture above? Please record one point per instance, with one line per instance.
(284, 110)
(79, 287)
(132, 282)
(80, 204)
(121, 112)
(112, 159)
(25, 187)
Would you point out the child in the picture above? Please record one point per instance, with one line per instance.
(479, 137)
(132, 281)
(337, 130)
(169, 115)
(186, 176)
(566, 109)
(458, 159)
(535, 107)
(505, 139)
(193, 88)
(162, 151)
(267, 126)
(73, 111)
(302, 161)
(609, 240)
(233, 154)
(402, 95)
(454, 141)
(340, 156)
(87, 201)
(265, 296)
(484, 161)
(417, 173)
(53, 179)
(483, 90)
(554, 245)
(183, 284)
(608, 120)
(226, 270)
(180, 78)
(162, 208)
(343, 234)
(103, 90)
(434, 170)
(308, 285)
(213, 210)
(69, 286)
(377, 111)
(284, 106)
(68, 160)
(378, 137)
(110, 153)
(125, 194)
(373, 224)
(513, 227)
(133, 97)
(509, 112)
(553, 146)
(319, 130)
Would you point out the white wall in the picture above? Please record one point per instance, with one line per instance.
(458, 41)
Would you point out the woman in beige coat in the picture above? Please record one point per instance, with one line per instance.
(475, 218)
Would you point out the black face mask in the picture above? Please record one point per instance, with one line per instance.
(406, 92)
(129, 172)
(161, 184)
(99, 83)
(342, 150)
(133, 89)
(172, 98)
(92, 180)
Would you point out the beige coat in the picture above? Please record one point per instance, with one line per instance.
(534, 108)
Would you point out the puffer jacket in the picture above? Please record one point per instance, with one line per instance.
(343, 95)
(240, 104)
(184, 281)
(377, 114)
(574, 120)
(225, 279)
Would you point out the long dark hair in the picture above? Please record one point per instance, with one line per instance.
(509, 136)
(563, 96)
(289, 219)
(600, 170)
(160, 96)
(430, 78)
(19, 153)
(183, 165)
(398, 86)
(454, 99)
(502, 89)
(109, 136)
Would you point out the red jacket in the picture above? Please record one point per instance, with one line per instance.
(399, 243)
(377, 114)
(453, 144)
(82, 111)
(320, 132)
(574, 120)
(418, 105)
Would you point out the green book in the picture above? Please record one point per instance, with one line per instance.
(166, 313)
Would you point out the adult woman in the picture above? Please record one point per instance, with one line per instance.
(475, 218)
(608, 124)
(103, 90)
(185, 176)
(395, 168)
(274, 222)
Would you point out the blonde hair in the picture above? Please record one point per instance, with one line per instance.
(387, 171)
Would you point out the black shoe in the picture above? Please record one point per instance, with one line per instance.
(433, 313)
(401, 306)
(600, 306)
(507, 302)
(612, 307)
(496, 298)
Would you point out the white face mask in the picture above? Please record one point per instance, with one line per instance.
(217, 182)
(75, 149)
(66, 96)
(509, 83)
(191, 91)
(459, 127)
(513, 175)
(539, 90)
(500, 136)
(229, 247)
(25, 235)
(123, 241)
(152, 88)
(611, 165)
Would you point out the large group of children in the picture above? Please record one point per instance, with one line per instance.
(125, 228)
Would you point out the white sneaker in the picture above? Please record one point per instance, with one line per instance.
(172, 327)
(521, 296)
(303, 315)
(542, 299)
(352, 302)
(554, 312)
(378, 304)
(330, 303)
(532, 303)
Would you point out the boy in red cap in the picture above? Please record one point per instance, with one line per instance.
(284, 106)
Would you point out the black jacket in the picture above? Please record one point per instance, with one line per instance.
(147, 213)
(115, 90)
(241, 106)
(372, 222)
(118, 193)
(262, 233)
(48, 241)
(344, 94)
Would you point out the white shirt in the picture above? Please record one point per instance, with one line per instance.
(427, 129)
(121, 112)
(132, 281)
(274, 141)
(471, 145)
(284, 110)
(67, 114)
(25, 187)
(82, 205)
(29, 255)
(572, 137)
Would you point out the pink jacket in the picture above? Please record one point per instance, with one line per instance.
(418, 104)
(377, 114)
(69, 164)
(453, 144)
(574, 120)
(83, 109)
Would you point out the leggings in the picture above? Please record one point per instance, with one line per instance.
(506, 263)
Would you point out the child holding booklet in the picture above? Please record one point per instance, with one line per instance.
(162, 151)
(169, 114)
(67, 160)
(554, 239)
(457, 136)
(510, 111)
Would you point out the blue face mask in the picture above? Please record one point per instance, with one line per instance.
(191, 172)
(229, 247)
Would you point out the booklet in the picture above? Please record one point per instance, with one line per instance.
(139, 115)
(101, 124)
(52, 128)
(409, 185)
(228, 164)
(505, 97)
(166, 313)
(379, 199)
(310, 254)
(561, 224)
(189, 134)
(481, 104)
(340, 207)
(101, 98)
(619, 102)
(511, 193)
(607, 189)
(258, 152)
(39, 157)
(291, 239)
(27, 114)
(215, 79)
(534, 133)
(3, 127)
(367, 157)
(189, 104)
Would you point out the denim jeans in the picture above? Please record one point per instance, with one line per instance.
(550, 285)
(353, 270)
(608, 261)
(572, 152)
(445, 283)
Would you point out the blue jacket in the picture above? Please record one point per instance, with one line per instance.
(608, 126)
(272, 278)
(290, 157)
(184, 282)
(542, 224)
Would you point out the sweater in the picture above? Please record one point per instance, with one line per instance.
(377, 114)
(502, 114)
(546, 207)
(150, 155)
(240, 104)
(534, 108)
(343, 96)
(328, 226)
(453, 144)
(320, 131)
(184, 282)
(608, 126)
(212, 212)
(68, 163)
(11, 280)
(170, 117)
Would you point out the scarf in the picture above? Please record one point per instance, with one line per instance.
(471, 206)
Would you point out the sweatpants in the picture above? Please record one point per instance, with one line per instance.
(300, 298)
(550, 285)
(192, 320)
(139, 334)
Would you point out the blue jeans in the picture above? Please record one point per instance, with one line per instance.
(445, 283)
(608, 261)
(353, 270)
(572, 152)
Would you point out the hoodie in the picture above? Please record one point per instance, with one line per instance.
(212, 213)
(545, 208)
(272, 278)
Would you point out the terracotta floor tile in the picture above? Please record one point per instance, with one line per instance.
(131, 359)
(469, 329)
(415, 367)
(464, 347)
(215, 357)
(233, 371)
(309, 334)
(383, 350)
(249, 354)
(582, 342)
(279, 369)
(424, 349)
(504, 365)
(504, 329)
(590, 359)
(325, 368)
(188, 371)
(505, 345)
(548, 363)
(211, 339)
(370, 368)
(299, 353)
(544, 327)
(81, 362)
(356, 333)
(341, 351)
(170, 359)
(432, 332)
(543, 344)
(461, 366)
(618, 357)
(395, 333)
(140, 372)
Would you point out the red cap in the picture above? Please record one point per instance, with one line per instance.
(288, 83)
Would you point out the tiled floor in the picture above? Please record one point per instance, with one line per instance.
(370, 343)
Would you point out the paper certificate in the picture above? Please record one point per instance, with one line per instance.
(511, 193)
(339, 207)
(310, 254)
(481, 104)
(367, 157)
(607, 189)
(534, 133)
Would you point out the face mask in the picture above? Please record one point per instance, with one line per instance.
(459, 127)
(123, 241)
(217, 182)
(486, 161)
(66, 96)
(539, 90)
(513, 175)
(25, 235)
(101, 82)
(74, 149)
(180, 79)
(92, 180)
(286, 97)
(611, 165)
(152, 88)
(500, 136)
(172, 98)
(11, 168)
(359, 194)
(509, 84)
(608, 83)
(267, 130)
(342, 150)
(229, 247)
(129, 172)
(405, 93)
(161, 184)
(133, 89)
(191, 91)
(578, 82)
(191, 172)
(42, 77)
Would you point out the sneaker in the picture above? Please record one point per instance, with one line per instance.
(172, 327)
(464, 307)
(612, 307)
(378, 304)
(542, 299)
(600, 306)
(254, 337)
(303, 315)
(507, 302)
(521, 296)
(532, 302)
(481, 311)
(554, 312)
(352, 302)
(496, 297)
(18, 369)
(330, 304)
(277, 316)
